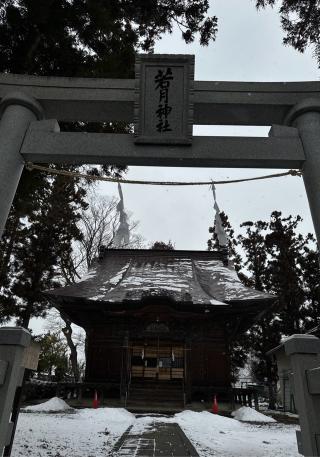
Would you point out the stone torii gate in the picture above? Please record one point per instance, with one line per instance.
(163, 102)
(29, 131)
(30, 107)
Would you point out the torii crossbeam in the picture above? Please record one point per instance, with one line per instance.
(32, 106)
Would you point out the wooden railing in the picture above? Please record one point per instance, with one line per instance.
(247, 396)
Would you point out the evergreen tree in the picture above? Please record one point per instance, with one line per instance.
(53, 358)
(252, 244)
(238, 346)
(286, 248)
(47, 234)
(265, 334)
(162, 246)
(213, 242)
(71, 38)
(96, 38)
(300, 21)
(32, 185)
(275, 258)
(311, 284)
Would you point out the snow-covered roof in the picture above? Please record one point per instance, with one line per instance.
(197, 277)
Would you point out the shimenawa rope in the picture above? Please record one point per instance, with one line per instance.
(31, 166)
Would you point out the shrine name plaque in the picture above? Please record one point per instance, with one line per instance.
(164, 99)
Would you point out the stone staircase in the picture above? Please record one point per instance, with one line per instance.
(155, 396)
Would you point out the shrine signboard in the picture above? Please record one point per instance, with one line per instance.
(164, 99)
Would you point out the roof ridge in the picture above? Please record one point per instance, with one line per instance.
(217, 254)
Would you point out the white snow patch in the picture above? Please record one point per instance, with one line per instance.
(228, 278)
(88, 433)
(91, 274)
(93, 432)
(250, 415)
(206, 419)
(214, 435)
(117, 278)
(53, 405)
(172, 276)
(213, 301)
(97, 297)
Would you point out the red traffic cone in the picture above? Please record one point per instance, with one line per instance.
(95, 400)
(215, 408)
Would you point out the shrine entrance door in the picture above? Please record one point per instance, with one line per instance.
(158, 360)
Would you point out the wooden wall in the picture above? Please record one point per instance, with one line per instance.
(207, 360)
(103, 357)
(208, 365)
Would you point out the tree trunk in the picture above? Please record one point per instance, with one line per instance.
(271, 388)
(67, 331)
(26, 316)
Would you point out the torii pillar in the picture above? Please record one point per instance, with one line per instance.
(17, 110)
(305, 116)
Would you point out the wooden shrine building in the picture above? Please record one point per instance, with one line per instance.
(161, 318)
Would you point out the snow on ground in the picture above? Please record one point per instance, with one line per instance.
(85, 433)
(219, 436)
(247, 414)
(93, 432)
(55, 404)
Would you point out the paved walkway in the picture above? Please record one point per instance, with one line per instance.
(164, 439)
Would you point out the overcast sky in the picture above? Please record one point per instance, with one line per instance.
(248, 48)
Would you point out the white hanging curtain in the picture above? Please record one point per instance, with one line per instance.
(218, 227)
(122, 236)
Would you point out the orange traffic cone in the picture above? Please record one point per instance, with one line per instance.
(95, 400)
(215, 408)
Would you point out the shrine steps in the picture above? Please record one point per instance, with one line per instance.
(155, 396)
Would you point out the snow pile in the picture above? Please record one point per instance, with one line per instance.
(206, 430)
(115, 416)
(247, 414)
(53, 405)
(206, 420)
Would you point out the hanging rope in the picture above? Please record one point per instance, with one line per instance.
(31, 166)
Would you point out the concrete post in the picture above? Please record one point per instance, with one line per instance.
(17, 110)
(306, 117)
(304, 353)
(13, 342)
